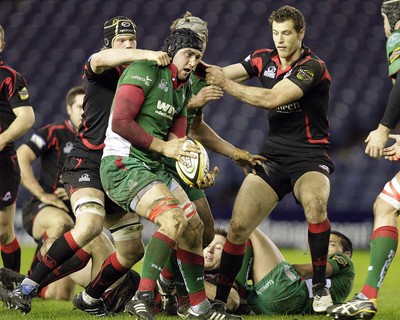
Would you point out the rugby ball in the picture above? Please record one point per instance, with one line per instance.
(194, 169)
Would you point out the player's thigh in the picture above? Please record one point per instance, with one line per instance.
(312, 186)
(385, 214)
(53, 221)
(255, 200)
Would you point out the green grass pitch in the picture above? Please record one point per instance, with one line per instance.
(389, 307)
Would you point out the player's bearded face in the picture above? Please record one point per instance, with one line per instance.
(286, 39)
(186, 60)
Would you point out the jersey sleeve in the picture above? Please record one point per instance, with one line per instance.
(393, 54)
(307, 75)
(39, 141)
(254, 63)
(250, 67)
(15, 89)
(340, 263)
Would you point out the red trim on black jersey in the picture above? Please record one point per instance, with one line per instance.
(9, 81)
(309, 136)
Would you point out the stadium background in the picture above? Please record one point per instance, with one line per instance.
(49, 40)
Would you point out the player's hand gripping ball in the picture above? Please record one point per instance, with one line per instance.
(194, 169)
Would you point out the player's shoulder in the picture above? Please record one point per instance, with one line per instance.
(264, 53)
(8, 71)
(56, 126)
(142, 66)
(341, 260)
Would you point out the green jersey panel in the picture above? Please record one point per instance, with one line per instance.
(283, 291)
(393, 53)
(161, 106)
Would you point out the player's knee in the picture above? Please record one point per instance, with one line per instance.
(238, 232)
(89, 212)
(89, 205)
(173, 224)
(168, 214)
(129, 231)
(131, 256)
(5, 236)
(60, 226)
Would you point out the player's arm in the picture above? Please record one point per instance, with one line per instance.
(203, 133)
(26, 157)
(106, 59)
(128, 102)
(236, 72)
(233, 298)
(25, 119)
(306, 271)
(285, 91)
(206, 94)
(377, 139)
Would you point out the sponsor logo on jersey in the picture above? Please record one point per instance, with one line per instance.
(287, 74)
(289, 273)
(393, 39)
(304, 74)
(165, 110)
(163, 85)
(7, 196)
(270, 72)
(394, 55)
(340, 260)
(38, 141)
(265, 286)
(288, 108)
(68, 147)
(84, 177)
(23, 93)
(146, 80)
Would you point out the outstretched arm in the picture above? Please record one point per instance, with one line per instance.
(109, 58)
(306, 271)
(285, 91)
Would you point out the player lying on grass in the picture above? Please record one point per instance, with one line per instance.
(278, 286)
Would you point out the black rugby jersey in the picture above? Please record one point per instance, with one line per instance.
(302, 123)
(100, 91)
(13, 94)
(52, 143)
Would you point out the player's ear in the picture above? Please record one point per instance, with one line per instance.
(397, 25)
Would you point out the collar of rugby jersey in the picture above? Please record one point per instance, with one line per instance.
(174, 76)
